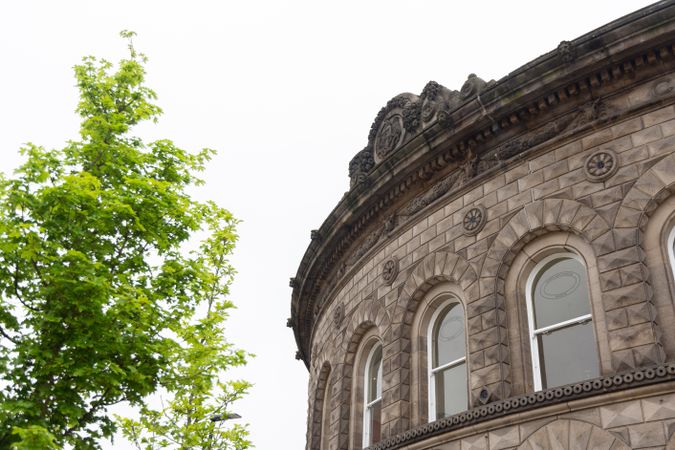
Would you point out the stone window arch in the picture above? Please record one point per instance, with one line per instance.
(364, 407)
(446, 344)
(321, 409)
(562, 339)
(659, 265)
(427, 387)
(530, 263)
(372, 397)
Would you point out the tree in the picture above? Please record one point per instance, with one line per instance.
(101, 303)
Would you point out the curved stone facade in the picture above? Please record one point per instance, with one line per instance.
(461, 195)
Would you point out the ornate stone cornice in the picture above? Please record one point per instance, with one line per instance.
(519, 404)
(421, 149)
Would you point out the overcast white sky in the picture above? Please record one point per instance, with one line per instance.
(286, 91)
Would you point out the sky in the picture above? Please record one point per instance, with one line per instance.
(286, 92)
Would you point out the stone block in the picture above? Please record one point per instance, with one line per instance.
(620, 258)
(477, 442)
(668, 128)
(627, 127)
(610, 280)
(616, 319)
(484, 339)
(597, 138)
(631, 336)
(646, 435)
(625, 296)
(658, 116)
(555, 170)
(619, 414)
(572, 178)
(647, 135)
(504, 438)
(486, 375)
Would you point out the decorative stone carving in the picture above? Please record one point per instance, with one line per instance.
(390, 270)
(298, 355)
(389, 223)
(566, 52)
(484, 396)
(591, 111)
(289, 322)
(367, 244)
(315, 235)
(601, 165)
(293, 283)
(436, 191)
(389, 137)
(359, 167)
(474, 220)
(338, 315)
(472, 87)
(411, 116)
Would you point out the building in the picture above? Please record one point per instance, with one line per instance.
(501, 273)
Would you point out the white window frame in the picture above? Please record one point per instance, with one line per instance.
(430, 356)
(671, 252)
(366, 394)
(534, 333)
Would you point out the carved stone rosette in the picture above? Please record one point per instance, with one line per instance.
(601, 165)
(474, 220)
(390, 270)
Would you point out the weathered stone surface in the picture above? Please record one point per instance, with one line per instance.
(524, 158)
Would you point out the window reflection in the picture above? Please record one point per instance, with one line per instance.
(564, 348)
(373, 395)
(448, 392)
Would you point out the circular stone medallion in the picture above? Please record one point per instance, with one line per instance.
(390, 270)
(389, 137)
(601, 165)
(474, 220)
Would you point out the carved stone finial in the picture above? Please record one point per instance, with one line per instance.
(289, 322)
(566, 52)
(293, 283)
(298, 355)
(315, 235)
(359, 167)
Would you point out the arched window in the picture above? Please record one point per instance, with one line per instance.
(563, 345)
(448, 391)
(372, 393)
(671, 250)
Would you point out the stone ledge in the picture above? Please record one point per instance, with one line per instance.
(519, 404)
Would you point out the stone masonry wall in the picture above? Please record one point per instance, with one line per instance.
(549, 192)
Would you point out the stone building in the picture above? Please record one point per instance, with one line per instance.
(501, 273)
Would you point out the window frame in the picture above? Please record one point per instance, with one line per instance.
(431, 390)
(367, 406)
(534, 333)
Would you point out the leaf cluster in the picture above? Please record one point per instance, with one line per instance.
(99, 301)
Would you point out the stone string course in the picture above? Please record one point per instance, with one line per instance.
(531, 401)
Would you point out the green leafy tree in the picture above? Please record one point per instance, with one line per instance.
(100, 302)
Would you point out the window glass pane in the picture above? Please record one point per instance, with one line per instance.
(375, 375)
(451, 391)
(560, 292)
(568, 355)
(448, 338)
(374, 423)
